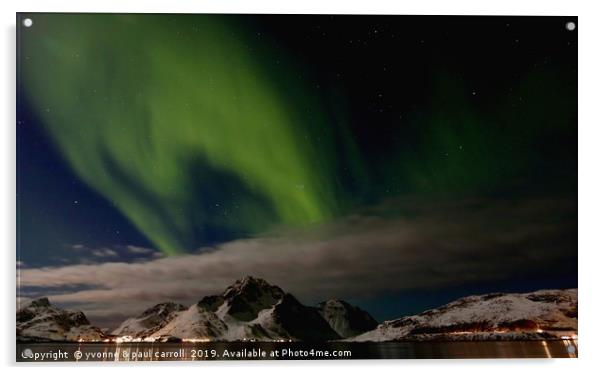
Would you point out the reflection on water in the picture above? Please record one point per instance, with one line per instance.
(292, 351)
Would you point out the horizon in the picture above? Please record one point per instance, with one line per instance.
(115, 324)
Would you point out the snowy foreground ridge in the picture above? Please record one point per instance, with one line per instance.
(253, 309)
(545, 314)
(40, 320)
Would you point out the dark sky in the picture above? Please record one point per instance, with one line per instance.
(420, 109)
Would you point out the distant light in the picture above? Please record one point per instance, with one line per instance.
(570, 26)
(27, 22)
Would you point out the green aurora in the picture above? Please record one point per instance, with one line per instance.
(190, 124)
(150, 106)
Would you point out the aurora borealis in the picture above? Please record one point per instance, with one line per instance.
(189, 133)
(148, 131)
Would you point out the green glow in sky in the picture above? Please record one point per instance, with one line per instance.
(201, 129)
(145, 108)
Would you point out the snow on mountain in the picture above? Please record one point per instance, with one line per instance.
(537, 315)
(253, 309)
(150, 321)
(345, 319)
(248, 296)
(298, 322)
(40, 321)
(250, 309)
(193, 323)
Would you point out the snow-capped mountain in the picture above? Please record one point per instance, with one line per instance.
(496, 316)
(345, 319)
(40, 321)
(250, 309)
(150, 321)
(253, 309)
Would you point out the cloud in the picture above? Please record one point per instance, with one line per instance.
(105, 253)
(139, 250)
(433, 245)
(83, 254)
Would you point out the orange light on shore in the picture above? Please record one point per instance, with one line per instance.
(196, 340)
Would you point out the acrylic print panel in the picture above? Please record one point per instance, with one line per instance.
(225, 187)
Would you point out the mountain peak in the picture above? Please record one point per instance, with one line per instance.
(162, 309)
(247, 282)
(40, 321)
(345, 319)
(40, 302)
(249, 295)
(250, 308)
(150, 321)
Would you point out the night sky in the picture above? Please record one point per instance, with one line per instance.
(178, 134)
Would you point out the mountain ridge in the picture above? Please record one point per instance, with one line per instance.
(249, 309)
(40, 321)
(538, 315)
(252, 309)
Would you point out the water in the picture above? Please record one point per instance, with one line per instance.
(27, 352)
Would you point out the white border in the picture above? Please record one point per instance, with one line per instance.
(590, 180)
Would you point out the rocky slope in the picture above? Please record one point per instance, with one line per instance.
(150, 321)
(253, 309)
(345, 319)
(40, 321)
(250, 309)
(496, 316)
